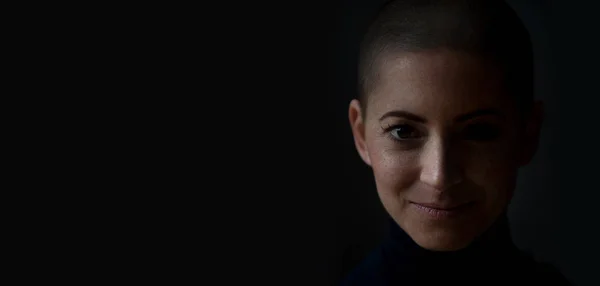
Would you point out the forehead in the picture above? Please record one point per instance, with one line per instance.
(436, 84)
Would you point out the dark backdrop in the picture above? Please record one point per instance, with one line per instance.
(554, 213)
(238, 115)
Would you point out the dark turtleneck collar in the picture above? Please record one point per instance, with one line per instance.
(400, 261)
(495, 241)
(492, 259)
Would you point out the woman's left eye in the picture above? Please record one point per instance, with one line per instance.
(481, 132)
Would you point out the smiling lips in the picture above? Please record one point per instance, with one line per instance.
(440, 211)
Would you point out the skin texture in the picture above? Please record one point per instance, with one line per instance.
(450, 158)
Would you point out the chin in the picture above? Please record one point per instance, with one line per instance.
(441, 239)
(442, 243)
(449, 233)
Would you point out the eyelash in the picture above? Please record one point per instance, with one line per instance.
(388, 131)
(481, 132)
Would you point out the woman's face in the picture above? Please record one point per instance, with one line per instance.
(444, 143)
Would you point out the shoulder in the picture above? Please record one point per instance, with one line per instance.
(547, 274)
(367, 272)
(540, 273)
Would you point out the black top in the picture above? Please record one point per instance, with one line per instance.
(493, 259)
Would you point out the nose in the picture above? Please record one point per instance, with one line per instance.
(440, 168)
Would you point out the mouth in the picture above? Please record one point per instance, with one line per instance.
(442, 211)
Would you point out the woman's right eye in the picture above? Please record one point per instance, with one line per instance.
(404, 132)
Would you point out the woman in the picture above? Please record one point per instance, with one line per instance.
(445, 118)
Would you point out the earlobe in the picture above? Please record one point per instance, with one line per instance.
(358, 130)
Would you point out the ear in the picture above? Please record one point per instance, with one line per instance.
(532, 133)
(358, 130)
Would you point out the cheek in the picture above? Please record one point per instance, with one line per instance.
(494, 169)
(483, 165)
(394, 170)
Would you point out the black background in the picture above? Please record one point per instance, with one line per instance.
(218, 145)
(300, 205)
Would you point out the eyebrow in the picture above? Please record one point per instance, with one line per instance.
(477, 113)
(460, 118)
(403, 114)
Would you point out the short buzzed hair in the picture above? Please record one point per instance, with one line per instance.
(486, 28)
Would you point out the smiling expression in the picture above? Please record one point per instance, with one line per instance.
(444, 141)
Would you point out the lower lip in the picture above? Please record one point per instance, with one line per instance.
(443, 213)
